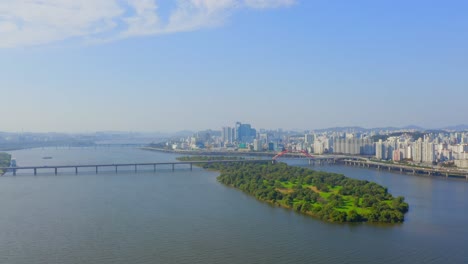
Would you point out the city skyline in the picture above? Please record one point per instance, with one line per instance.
(174, 65)
(411, 127)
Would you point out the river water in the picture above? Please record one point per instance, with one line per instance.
(187, 217)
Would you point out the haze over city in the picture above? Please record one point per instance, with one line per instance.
(80, 66)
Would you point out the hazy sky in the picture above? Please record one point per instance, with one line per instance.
(167, 65)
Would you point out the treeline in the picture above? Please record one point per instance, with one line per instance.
(5, 160)
(328, 196)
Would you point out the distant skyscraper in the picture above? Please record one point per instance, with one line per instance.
(244, 133)
(308, 138)
(227, 135)
(257, 145)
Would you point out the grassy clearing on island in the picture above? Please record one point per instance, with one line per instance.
(349, 202)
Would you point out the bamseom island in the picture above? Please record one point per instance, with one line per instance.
(5, 160)
(329, 196)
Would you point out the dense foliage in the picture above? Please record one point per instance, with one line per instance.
(328, 196)
(5, 160)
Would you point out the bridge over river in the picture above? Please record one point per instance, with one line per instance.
(135, 166)
(316, 160)
(430, 171)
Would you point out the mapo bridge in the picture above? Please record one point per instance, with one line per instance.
(135, 166)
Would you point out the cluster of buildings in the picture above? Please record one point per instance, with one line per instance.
(240, 133)
(430, 148)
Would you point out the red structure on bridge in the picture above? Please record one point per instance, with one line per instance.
(305, 153)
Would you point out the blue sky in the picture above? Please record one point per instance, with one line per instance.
(149, 65)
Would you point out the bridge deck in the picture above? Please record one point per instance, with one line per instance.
(129, 164)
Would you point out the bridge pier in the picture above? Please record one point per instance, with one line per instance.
(116, 169)
(191, 166)
(173, 165)
(135, 168)
(55, 171)
(154, 165)
(97, 169)
(35, 171)
(14, 172)
(76, 170)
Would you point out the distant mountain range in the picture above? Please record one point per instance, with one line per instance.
(457, 128)
(410, 127)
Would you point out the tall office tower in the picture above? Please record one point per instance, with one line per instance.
(244, 133)
(227, 135)
(236, 131)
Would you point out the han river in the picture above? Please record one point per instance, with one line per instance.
(188, 217)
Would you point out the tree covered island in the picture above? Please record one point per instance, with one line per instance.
(5, 160)
(328, 196)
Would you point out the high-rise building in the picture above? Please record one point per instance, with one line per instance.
(380, 152)
(428, 152)
(409, 152)
(244, 133)
(418, 151)
(257, 145)
(227, 135)
(319, 147)
(353, 146)
(396, 155)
